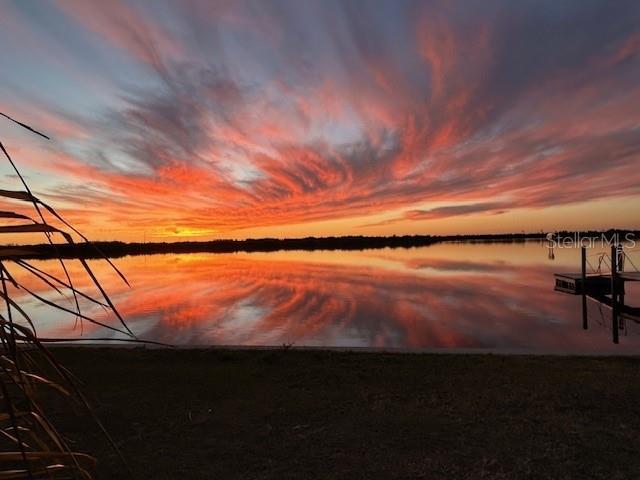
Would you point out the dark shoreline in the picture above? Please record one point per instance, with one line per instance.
(614, 351)
(119, 249)
(288, 414)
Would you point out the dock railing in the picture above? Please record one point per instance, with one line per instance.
(623, 258)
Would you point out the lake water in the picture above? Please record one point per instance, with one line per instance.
(487, 297)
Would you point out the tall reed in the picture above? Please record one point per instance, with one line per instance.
(30, 445)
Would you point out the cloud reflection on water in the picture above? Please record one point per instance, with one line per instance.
(447, 296)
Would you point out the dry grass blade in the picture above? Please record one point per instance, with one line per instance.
(14, 215)
(26, 196)
(34, 228)
(103, 339)
(15, 194)
(30, 446)
(80, 315)
(15, 252)
(34, 201)
(51, 281)
(24, 125)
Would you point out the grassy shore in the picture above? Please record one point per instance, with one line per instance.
(205, 414)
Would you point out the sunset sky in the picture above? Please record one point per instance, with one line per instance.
(209, 119)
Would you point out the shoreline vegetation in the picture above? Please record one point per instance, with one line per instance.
(286, 414)
(114, 249)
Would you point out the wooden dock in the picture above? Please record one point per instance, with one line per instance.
(607, 288)
(629, 276)
(575, 284)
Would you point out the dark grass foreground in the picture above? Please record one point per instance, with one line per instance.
(205, 414)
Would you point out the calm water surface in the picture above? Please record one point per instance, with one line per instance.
(496, 297)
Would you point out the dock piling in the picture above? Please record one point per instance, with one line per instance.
(614, 293)
(585, 322)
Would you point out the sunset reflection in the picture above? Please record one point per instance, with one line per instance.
(494, 297)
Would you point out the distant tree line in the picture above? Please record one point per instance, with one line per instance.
(119, 249)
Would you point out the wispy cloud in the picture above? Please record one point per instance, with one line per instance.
(271, 113)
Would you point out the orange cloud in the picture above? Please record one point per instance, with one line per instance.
(407, 115)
